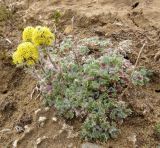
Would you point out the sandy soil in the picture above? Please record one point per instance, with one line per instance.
(136, 20)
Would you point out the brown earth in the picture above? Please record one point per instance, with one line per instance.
(136, 20)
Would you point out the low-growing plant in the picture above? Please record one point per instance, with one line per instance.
(158, 146)
(157, 130)
(140, 77)
(82, 78)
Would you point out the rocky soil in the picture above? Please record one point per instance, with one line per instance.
(26, 122)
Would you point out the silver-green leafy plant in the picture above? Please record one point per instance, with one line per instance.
(140, 77)
(82, 79)
(157, 131)
(90, 78)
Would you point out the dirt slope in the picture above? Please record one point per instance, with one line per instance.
(136, 20)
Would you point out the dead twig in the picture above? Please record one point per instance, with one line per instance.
(140, 52)
(135, 66)
(8, 40)
(36, 88)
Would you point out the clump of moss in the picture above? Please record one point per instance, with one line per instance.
(157, 131)
(4, 12)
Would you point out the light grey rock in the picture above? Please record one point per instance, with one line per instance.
(15, 144)
(42, 119)
(70, 145)
(54, 119)
(90, 145)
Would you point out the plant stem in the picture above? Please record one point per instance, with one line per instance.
(50, 59)
(55, 32)
(41, 66)
(53, 63)
(140, 52)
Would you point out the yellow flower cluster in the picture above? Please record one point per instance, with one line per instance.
(42, 36)
(26, 53)
(39, 35)
(27, 34)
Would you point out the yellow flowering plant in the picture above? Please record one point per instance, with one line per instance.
(38, 35)
(26, 53)
(42, 36)
(80, 81)
(27, 34)
(33, 39)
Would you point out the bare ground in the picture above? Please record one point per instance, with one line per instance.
(136, 20)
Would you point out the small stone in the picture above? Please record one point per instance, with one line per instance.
(42, 119)
(41, 124)
(26, 127)
(90, 145)
(39, 140)
(37, 111)
(19, 129)
(132, 138)
(46, 109)
(60, 131)
(54, 119)
(70, 145)
(15, 144)
(118, 23)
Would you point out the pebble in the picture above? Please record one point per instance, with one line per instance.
(37, 111)
(132, 138)
(46, 109)
(90, 145)
(70, 145)
(19, 129)
(15, 144)
(42, 119)
(39, 140)
(27, 129)
(54, 119)
(41, 124)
